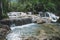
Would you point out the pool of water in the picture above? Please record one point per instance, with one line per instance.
(22, 31)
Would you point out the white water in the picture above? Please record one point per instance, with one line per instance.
(21, 31)
(13, 36)
(27, 25)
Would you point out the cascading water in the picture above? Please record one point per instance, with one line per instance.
(20, 28)
(19, 32)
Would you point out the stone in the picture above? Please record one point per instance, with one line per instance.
(4, 30)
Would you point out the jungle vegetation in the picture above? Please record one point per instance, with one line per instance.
(28, 5)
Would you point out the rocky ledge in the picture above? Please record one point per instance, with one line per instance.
(4, 30)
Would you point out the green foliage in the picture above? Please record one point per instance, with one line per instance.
(50, 7)
(4, 15)
(31, 5)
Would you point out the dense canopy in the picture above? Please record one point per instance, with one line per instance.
(29, 5)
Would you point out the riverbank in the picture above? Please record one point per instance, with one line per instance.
(4, 30)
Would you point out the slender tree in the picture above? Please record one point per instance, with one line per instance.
(0, 9)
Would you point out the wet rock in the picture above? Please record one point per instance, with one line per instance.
(4, 29)
(54, 38)
(32, 38)
(40, 21)
(58, 20)
(37, 19)
(5, 22)
(17, 21)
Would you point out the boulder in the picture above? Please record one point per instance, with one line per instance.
(4, 30)
(40, 21)
(58, 20)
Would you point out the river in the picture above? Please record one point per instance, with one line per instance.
(22, 31)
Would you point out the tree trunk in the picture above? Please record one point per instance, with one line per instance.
(0, 9)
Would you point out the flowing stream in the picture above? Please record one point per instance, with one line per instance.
(19, 32)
